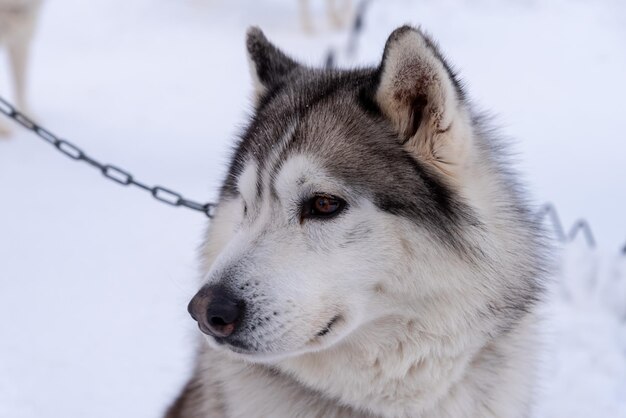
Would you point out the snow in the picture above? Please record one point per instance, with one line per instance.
(95, 278)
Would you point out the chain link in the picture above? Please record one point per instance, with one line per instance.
(111, 172)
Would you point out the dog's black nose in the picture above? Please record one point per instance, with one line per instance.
(216, 310)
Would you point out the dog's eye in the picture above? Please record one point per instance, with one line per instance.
(322, 206)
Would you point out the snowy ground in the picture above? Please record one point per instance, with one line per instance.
(94, 278)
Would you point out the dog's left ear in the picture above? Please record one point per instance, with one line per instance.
(419, 94)
(268, 64)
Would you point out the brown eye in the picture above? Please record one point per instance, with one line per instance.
(325, 205)
(322, 206)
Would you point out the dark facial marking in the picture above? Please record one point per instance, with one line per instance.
(337, 121)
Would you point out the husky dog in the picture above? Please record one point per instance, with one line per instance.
(371, 254)
(17, 25)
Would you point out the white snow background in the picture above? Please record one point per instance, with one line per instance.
(95, 278)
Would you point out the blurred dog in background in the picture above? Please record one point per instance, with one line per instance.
(17, 26)
(338, 12)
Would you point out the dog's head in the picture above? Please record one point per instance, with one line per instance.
(345, 202)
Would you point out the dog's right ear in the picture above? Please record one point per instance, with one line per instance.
(419, 94)
(268, 64)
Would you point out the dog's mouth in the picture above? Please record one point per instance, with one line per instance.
(235, 345)
(326, 330)
(250, 351)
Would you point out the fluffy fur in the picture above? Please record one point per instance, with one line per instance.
(17, 24)
(418, 299)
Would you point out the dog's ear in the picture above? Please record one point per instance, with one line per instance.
(268, 64)
(418, 93)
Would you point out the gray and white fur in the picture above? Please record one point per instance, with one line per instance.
(413, 295)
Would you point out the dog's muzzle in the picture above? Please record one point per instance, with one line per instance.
(216, 310)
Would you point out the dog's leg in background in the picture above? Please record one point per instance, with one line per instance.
(19, 33)
(18, 57)
(17, 51)
(5, 129)
(338, 12)
(305, 16)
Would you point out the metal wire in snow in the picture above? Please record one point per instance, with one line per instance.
(582, 226)
(548, 213)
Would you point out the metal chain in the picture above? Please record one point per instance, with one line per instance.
(109, 171)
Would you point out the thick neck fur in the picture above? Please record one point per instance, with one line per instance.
(392, 369)
(389, 367)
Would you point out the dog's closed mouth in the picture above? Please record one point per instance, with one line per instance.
(327, 328)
